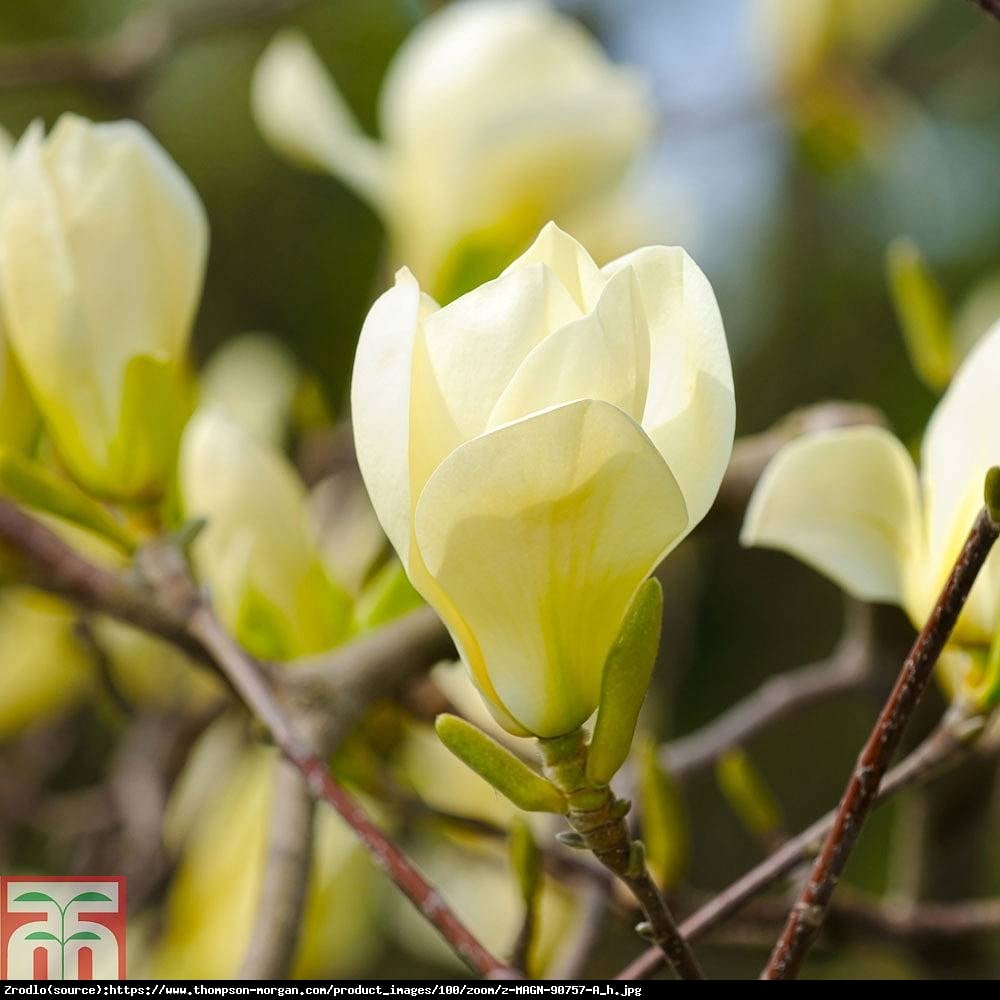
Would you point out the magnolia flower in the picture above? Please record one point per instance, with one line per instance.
(18, 419)
(257, 551)
(102, 251)
(849, 503)
(255, 379)
(495, 117)
(535, 448)
(798, 38)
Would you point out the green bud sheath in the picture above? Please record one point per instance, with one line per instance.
(747, 793)
(525, 860)
(922, 313)
(623, 685)
(509, 776)
(991, 493)
(35, 486)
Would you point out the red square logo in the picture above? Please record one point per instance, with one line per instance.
(62, 927)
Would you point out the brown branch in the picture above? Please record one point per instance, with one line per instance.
(346, 682)
(990, 6)
(845, 670)
(49, 564)
(171, 606)
(946, 746)
(134, 50)
(855, 914)
(285, 881)
(806, 917)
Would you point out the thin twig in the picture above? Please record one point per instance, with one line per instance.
(597, 819)
(806, 917)
(947, 745)
(845, 670)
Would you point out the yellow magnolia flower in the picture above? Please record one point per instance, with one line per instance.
(495, 117)
(535, 448)
(18, 419)
(849, 503)
(102, 251)
(256, 552)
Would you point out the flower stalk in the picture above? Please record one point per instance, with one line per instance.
(597, 819)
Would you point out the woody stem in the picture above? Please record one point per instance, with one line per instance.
(598, 818)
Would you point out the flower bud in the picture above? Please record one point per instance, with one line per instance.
(102, 252)
(256, 552)
(535, 448)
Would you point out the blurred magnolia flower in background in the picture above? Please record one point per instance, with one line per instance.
(217, 826)
(849, 503)
(43, 668)
(254, 378)
(18, 418)
(798, 40)
(257, 552)
(495, 117)
(535, 448)
(102, 251)
(479, 885)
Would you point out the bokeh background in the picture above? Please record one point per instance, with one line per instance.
(785, 165)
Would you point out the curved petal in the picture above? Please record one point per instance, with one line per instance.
(569, 261)
(604, 355)
(539, 534)
(380, 405)
(475, 344)
(962, 442)
(846, 502)
(303, 116)
(690, 408)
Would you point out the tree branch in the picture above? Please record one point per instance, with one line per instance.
(285, 882)
(806, 917)
(946, 746)
(172, 607)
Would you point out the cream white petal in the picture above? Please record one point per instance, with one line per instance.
(475, 344)
(690, 408)
(846, 502)
(137, 232)
(380, 405)
(962, 442)
(604, 355)
(569, 261)
(495, 53)
(539, 534)
(39, 284)
(303, 115)
(962, 439)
